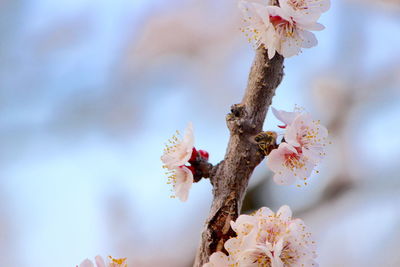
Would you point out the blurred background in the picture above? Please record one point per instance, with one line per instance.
(90, 91)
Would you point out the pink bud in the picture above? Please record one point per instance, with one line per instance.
(204, 154)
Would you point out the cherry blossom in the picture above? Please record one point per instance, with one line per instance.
(308, 136)
(178, 153)
(285, 29)
(267, 239)
(181, 179)
(302, 148)
(289, 164)
(286, 117)
(219, 259)
(179, 150)
(101, 263)
(307, 9)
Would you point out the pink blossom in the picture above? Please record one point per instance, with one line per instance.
(178, 153)
(302, 148)
(283, 29)
(308, 136)
(288, 164)
(307, 9)
(286, 117)
(179, 150)
(101, 263)
(181, 179)
(218, 259)
(270, 239)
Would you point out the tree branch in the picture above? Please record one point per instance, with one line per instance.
(231, 176)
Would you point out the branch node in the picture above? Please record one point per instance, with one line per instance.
(237, 110)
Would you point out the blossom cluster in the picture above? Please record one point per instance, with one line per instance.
(267, 239)
(177, 153)
(284, 28)
(302, 148)
(101, 263)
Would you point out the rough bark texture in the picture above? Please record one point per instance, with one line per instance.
(231, 176)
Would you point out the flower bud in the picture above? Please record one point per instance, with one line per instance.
(204, 154)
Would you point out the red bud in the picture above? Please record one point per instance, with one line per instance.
(194, 155)
(204, 154)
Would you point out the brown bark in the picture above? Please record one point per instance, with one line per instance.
(231, 176)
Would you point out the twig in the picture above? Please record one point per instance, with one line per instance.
(231, 176)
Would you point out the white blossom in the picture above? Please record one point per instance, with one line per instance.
(308, 136)
(286, 117)
(101, 263)
(303, 147)
(177, 153)
(285, 29)
(179, 150)
(289, 164)
(219, 259)
(267, 239)
(181, 179)
(309, 10)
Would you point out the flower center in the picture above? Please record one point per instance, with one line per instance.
(120, 262)
(263, 261)
(277, 21)
(292, 161)
(309, 136)
(297, 4)
(282, 26)
(288, 255)
(260, 258)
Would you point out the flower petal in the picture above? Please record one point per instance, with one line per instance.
(86, 263)
(180, 153)
(183, 183)
(217, 259)
(284, 213)
(284, 116)
(100, 261)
